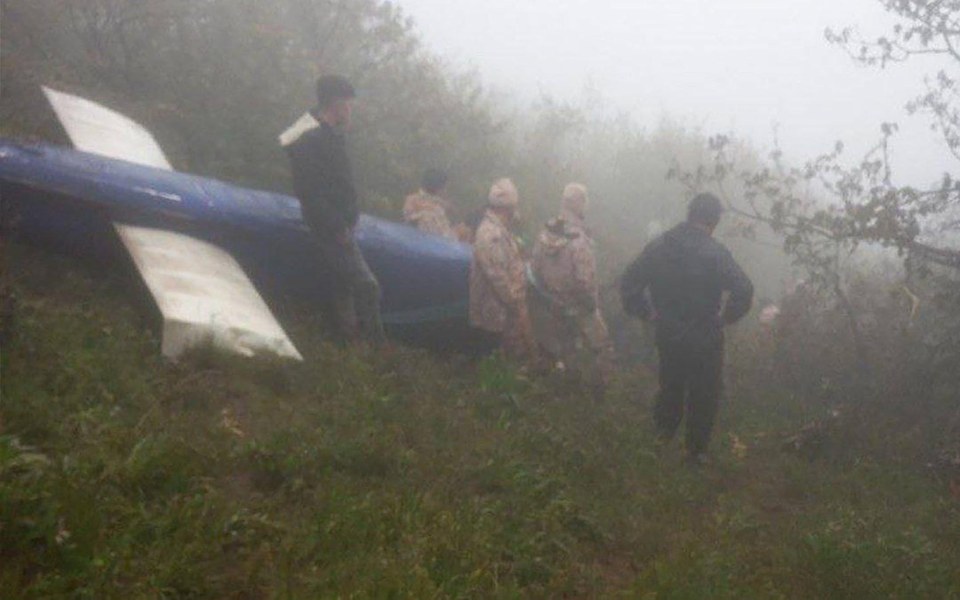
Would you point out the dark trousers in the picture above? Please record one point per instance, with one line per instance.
(356, 292)
(691, 379)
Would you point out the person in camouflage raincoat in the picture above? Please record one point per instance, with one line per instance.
(426, 210)
(498, 285)
(563, 273)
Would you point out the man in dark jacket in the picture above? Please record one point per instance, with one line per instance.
(678, 282)
(323, 182)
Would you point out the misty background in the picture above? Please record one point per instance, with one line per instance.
(755, 67)
(408, 473)
(624, 97)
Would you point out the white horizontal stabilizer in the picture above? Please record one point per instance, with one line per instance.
(97, 129)
(203, 295)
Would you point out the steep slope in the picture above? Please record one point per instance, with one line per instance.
(403, 474)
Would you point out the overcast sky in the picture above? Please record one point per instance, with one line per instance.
(731, 65)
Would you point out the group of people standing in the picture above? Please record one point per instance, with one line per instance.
(545, 306)
(550, 304)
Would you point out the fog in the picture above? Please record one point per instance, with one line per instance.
(700, 372)
(751, 67)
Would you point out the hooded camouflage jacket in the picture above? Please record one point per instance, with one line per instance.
(498, 285)
(564, 266)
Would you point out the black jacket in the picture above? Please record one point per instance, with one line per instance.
(684, 273)
(323, 179)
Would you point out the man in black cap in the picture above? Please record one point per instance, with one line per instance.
(323, 182)
(678, 282)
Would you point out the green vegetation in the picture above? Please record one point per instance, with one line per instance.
(401, 474)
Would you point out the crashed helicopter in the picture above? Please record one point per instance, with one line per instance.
(209, 252)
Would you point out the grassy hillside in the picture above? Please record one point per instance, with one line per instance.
(403, 474)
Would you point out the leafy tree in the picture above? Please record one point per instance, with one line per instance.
(926, 29)
(826, 210)
(217, 80)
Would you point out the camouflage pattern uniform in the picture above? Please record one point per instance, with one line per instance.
(498, 289)
(426, 212)
(569, 324)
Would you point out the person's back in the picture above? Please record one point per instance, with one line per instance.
(564, 264)
(425, 211)
(563, 273)
(687, 271)
(678, 282)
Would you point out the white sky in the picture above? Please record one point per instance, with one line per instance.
(726, 65)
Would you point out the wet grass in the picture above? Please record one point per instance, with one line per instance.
(401, 474)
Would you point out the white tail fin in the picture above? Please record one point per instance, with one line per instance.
(203, 295)
(96, 129)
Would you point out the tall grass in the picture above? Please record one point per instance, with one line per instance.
(370, 474)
